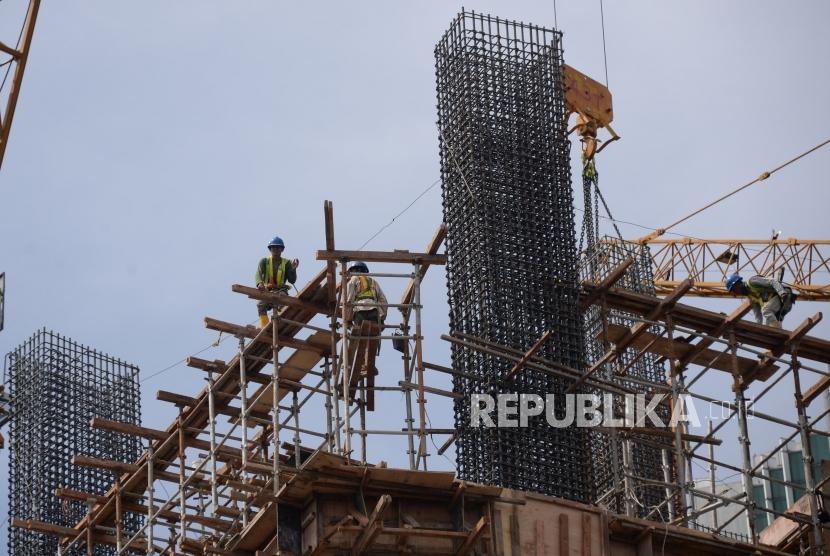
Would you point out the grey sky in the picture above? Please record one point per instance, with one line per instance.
(157, 147)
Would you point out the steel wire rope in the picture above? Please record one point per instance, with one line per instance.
(604, 54)
(760, 178)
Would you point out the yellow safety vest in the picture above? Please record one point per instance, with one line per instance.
(366, 288)
(758, 296)
(269, 272)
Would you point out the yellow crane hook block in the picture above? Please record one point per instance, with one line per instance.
(591, 101)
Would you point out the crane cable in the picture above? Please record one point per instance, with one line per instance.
(660, 231)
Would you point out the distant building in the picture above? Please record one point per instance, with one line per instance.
(786, 465)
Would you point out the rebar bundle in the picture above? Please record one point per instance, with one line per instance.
(57, 386)
(646, 458)
(512, 272)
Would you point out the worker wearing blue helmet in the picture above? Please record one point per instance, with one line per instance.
(770, 299)
(274, 273)
(364, 298)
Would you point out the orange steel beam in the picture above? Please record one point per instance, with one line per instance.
(806, 264)
(18, 57)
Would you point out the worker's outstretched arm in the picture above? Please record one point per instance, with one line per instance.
(290, 273)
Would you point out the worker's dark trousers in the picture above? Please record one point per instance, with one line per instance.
(360, 316)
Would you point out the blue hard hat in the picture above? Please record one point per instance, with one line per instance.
(276, 242)
(358, 266)
(732, 280)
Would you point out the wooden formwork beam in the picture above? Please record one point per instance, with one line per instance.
(383, 257)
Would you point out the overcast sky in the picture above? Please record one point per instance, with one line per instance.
(158, 146)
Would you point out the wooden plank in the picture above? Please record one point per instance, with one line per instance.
(676, 349)
(701, 320)
(331, 268)
(634, 332)
(43, 527)
(373, 528)
(215, 366)
(612, 278)
(471, 540)
(281, 299)
(528, 354)
(432, 248)
(382, 257)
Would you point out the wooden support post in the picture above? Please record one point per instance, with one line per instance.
(331, 278)
(373, 528)
(471, 540)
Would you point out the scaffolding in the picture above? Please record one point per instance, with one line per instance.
(693, 344)
(55, 386)
(512, 273)
(215, 480)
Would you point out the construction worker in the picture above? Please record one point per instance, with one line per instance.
(366, 308)
(770, 299)
(274, 273)
(365, 299)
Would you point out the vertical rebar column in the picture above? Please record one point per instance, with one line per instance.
(57, 385)
(511, 243)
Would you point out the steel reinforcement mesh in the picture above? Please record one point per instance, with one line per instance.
(646, 455)
(512, 270)
(56, 386)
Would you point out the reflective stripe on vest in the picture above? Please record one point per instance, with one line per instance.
(269, 272)
(366, 288)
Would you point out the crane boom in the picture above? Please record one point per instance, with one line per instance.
(805, 264)
(18, 57)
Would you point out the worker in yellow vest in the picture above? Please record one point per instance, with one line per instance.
(364, 298)
(770, 299)
(274, 273)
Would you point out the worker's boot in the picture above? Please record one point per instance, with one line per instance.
(263, 321)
